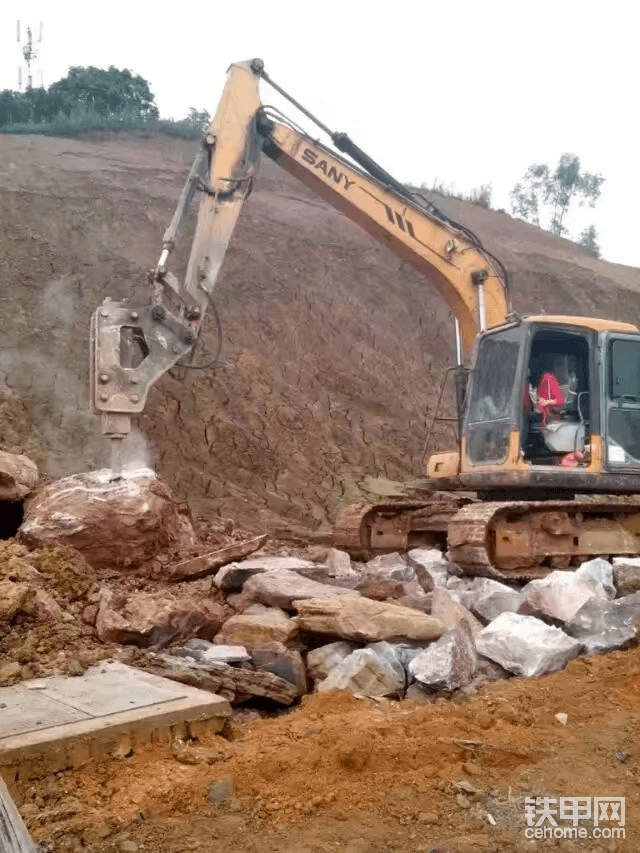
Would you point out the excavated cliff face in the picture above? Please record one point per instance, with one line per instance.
(333, 350)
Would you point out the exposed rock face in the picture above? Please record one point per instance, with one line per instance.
(364, 620)
(253, 630)
(281, 587)
(112, 524)
(18, 476)
(156, 618)
(525, 645)
(560, 595)
(448, 663)
(601, 571)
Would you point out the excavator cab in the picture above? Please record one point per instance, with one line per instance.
(544, 393)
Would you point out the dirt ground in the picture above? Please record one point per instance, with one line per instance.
(344, 774)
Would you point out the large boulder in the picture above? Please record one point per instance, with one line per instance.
(525, 645)
(365, 620)
(281, 587)
(559, 596)
(449, 611)
(156, 618)
(448, 663)
(322, 660)
(488, 598)
(602, 626)
(232, 577)
(366, 672)
(18, 476)
(252, 630)
(626, 575)
(113, 524)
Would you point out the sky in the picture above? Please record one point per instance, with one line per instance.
(464, 94)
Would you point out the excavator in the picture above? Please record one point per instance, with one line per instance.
(535, 482)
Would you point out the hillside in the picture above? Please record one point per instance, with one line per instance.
(333, 353)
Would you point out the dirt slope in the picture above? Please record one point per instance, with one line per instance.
(333, 351)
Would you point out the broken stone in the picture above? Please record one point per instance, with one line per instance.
(557, 597)
(393, 654)
(379, 588)
(393, 566)
(362, 619)
(253, 630)
(601, 571)
(365, 673)
(487, 598)
(281, 587)
(602, 626)
(155, 618)
(236, 684)
(207, 652)
(431, 568)
(18, 476)
(206, 564)
(283, 662)
(14, 597)
(322, 660)
(112, 524)
(414, 596)
(449, 663)
(525, 645)
(626, 575)
(233, 576)
(325, 575)
(449, 611)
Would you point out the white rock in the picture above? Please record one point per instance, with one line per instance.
(431, 561)
(322, 660)
(525, 645)
(487, 598)
(600, 570)
(558, 596)
(365, 673)
(448, 663)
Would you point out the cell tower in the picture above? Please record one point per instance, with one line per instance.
(29, 49)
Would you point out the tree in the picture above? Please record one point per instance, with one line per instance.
(109, 93)
(555, 191)
(589, 239)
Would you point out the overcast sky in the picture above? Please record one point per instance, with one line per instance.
(468, 93)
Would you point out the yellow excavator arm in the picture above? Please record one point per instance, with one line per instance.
(133, 347)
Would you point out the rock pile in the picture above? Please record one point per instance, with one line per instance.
(403, 624)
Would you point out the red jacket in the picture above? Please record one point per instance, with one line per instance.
(550, 396)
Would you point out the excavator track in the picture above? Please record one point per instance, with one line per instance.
(528, 539)
(366, 529)
(521, 540)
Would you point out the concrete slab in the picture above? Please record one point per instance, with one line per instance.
(48, 724)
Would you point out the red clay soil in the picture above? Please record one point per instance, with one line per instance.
(344, 774)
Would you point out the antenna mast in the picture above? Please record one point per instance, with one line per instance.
(29, 50)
